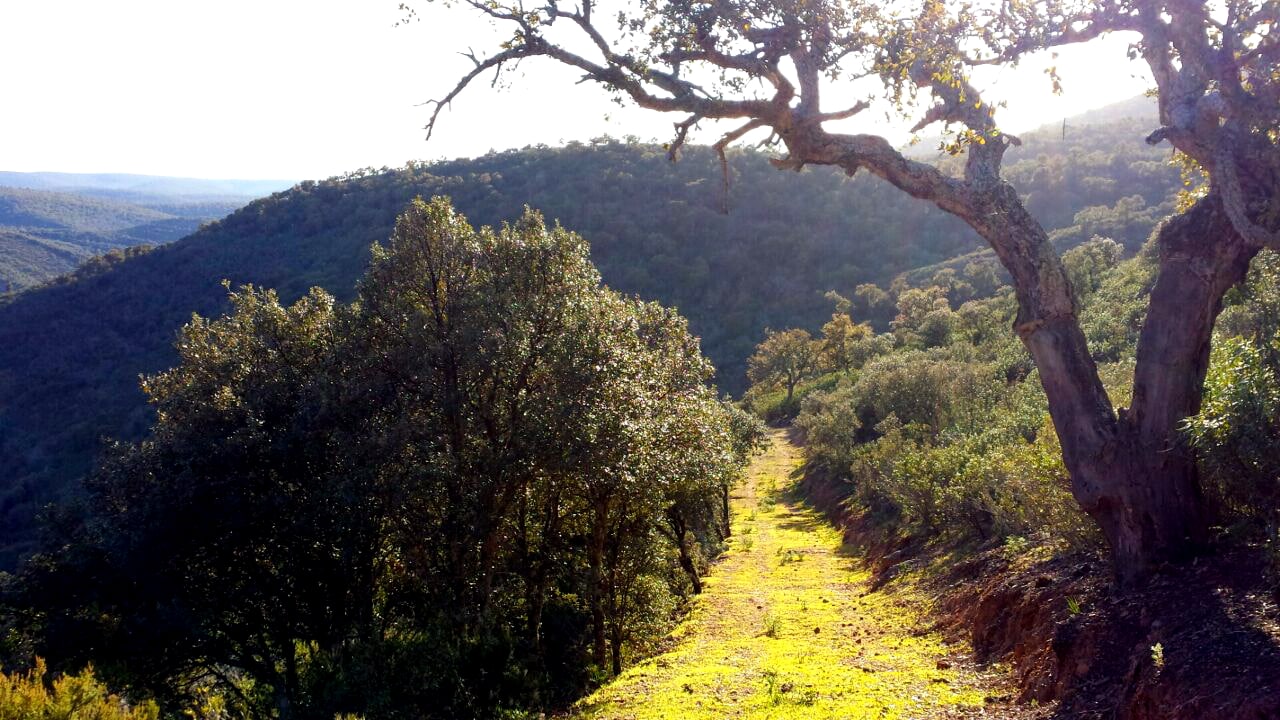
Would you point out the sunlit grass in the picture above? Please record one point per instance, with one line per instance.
(788, 628)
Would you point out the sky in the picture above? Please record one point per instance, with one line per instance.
(305, 89)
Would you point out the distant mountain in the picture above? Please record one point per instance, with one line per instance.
(71, 351)
(144, 188)
(1139, 110)
(51, 222)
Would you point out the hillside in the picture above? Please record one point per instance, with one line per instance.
(44, 233)
(71, 352)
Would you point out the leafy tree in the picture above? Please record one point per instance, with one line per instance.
(1214, 69)
(784, 359)
(924, 317)
(1087, 264)
(376, 507)
(1237, 431)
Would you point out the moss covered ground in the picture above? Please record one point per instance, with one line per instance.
(789, 627)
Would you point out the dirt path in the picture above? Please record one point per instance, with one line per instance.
(788, 627)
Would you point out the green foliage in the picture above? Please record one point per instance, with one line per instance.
(783, 359)
(774, 407)
(1117, 304)
(1237, 431)
(1087, 264)
(924, 317)
(449, 498)
(954, 440)
(34, 696)
(70, 354)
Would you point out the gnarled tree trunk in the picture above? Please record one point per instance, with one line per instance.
(1130, 470)
(1152, 508)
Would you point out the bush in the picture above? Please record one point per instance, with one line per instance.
(1237, 432)
(939, 441)
(32, 696)
(830, 425)
(1022, 489)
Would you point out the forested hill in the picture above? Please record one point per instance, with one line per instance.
(71, 351)
(45, 233)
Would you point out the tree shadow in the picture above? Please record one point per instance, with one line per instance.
(804, 522)
(1200, 641)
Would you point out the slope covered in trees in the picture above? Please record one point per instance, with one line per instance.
(70, 354)
(939, 426)
(770, 68)
(451, 498)
(44, 234)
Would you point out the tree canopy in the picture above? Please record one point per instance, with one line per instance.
(71, 352)
(459, 493)
(768, 66)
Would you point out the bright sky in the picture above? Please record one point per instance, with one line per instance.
(295, 89)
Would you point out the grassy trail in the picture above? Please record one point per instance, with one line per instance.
(787, 627)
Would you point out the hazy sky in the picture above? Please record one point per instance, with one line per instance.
(296, 89)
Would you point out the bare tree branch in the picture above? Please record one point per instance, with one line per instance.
(724, 142)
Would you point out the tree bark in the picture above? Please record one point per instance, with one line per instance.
(615, 648)
(595, 581)
(678, 531)
(1129, 471)
(1152, 509)
(725, 520)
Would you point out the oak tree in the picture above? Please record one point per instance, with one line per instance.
(767, 66)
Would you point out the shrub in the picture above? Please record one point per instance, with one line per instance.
(31, 696)
(1237, 432)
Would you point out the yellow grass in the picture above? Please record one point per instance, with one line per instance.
(788, 627)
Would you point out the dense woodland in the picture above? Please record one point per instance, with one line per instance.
(455, 495)
(770, 66)
(45, 233)
(68, 371)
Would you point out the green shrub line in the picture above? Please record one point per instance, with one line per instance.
(942, 429)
